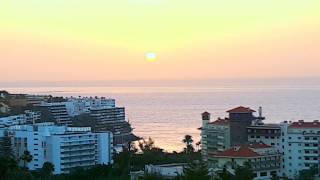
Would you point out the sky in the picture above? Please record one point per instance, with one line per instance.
(81, 40)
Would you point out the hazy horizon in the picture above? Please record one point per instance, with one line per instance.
(250, 82)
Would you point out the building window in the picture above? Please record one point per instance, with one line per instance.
(290, 157)
(306, 138)
(289, 137)
(289, 144)
(252, 136)
(263, 174)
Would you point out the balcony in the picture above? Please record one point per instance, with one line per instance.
(78, 149)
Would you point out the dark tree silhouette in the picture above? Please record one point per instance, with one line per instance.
(244, 172)
(188, 141)
(26, 158)
(196, 170)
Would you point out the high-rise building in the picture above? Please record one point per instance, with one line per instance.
(109, 119)
(65, 147)
(215, 136)
(57, 110)
(222, 134)
(300, 144)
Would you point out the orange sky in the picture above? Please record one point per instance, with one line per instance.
(265, 43)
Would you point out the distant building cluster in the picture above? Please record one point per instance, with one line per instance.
(271, 149)
(67, 132)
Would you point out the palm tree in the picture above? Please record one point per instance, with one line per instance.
(188, 141)
(26, 158)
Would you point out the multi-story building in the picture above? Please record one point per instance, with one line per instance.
(84, 104)
(113, 119)
(263, 159)
(36, 100)
(300, 144)
(215, 136)
(5, 143)
(221, 134)
(269, 134)
(65, 147)
(57, 110)
(28, 117)
(109, 119)
(240, 118)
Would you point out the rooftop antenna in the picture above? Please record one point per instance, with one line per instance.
(260, 112)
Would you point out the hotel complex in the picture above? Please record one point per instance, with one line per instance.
(67, 132)
(283, 149)
(65, 147)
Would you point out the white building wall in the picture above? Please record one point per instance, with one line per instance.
(75, 147)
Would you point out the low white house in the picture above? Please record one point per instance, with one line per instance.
(166, 170)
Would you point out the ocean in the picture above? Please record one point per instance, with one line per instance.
(166, 112)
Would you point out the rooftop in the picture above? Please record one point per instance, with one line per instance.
(220, 121)
(302, 124)
(241, 109)
(246, 150)
(262, 126)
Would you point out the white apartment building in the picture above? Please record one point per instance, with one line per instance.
(215, 136)
(60, 111)
(65, 147)
(29, 117)
(300, 144)
(77, 106)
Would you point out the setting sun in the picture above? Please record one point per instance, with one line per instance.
(151, 57)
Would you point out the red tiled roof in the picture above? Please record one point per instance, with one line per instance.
(221, 121)
(242, 151)
(302, 124)
(257, 145)
(241, 109)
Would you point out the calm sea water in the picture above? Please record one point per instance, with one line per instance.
(167, 113)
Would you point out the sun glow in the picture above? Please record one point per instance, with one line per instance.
(151, 57)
